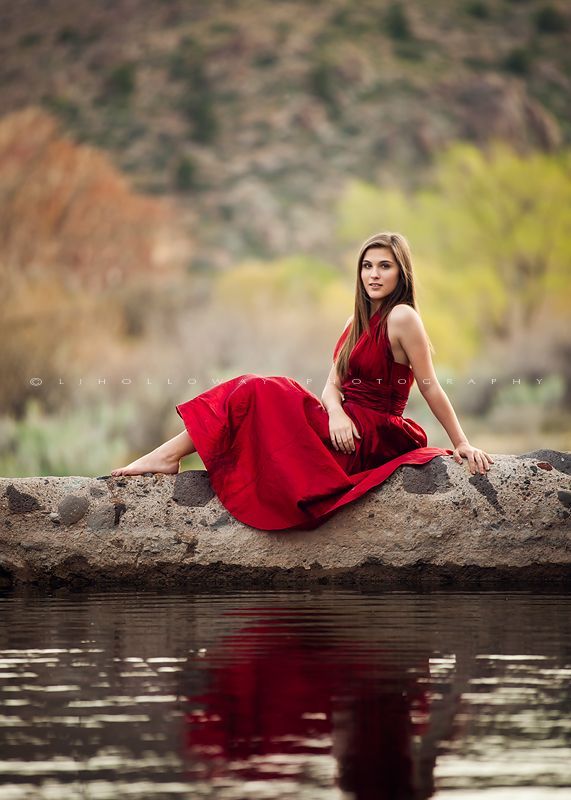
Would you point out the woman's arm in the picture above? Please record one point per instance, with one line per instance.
(332, 395)
(342, 429)
(406, 326)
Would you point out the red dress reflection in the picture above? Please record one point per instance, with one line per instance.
(275, 690)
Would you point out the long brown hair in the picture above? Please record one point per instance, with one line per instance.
(404, 292)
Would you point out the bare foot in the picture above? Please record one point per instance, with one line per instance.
(156, 461)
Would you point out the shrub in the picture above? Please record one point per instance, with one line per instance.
(265, 59)
(321, 82)
(187, 65)
(82, 441)
(478, 9)
(186, 62)
(65, 109)
(69, 35)
(185, 174)
(409, 50)
(349, 21)
(518, 61)
(396, 22)
(30, 39)
(197, 106)
(120, 83)
(550, 20)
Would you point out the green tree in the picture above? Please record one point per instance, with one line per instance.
(514, 226)
(491, 235)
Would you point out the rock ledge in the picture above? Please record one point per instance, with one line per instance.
(430, 525)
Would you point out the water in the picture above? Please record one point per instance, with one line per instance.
(280, 694)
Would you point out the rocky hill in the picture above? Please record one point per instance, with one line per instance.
(254, 114)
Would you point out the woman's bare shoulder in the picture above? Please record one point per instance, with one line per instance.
(404, 311)
(403, 314)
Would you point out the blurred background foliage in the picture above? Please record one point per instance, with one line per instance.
(184, 188)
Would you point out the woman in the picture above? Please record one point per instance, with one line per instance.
(278, 458)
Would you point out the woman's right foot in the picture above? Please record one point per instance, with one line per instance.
(152, 462)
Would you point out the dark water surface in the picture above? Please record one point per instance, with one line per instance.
(285, 694)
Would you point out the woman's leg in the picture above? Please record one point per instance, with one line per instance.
(165, 458)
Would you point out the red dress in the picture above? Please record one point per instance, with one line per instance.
(266, 445)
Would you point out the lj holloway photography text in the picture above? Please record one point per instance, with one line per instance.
(214, 381)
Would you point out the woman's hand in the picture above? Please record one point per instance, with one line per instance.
(341, 429)
(477, 459)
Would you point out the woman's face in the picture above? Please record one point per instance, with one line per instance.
(379, 273)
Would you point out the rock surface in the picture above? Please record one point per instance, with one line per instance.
(430, 525)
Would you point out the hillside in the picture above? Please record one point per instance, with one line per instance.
(253, 115)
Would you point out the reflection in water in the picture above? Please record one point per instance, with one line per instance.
(315, 694)
(292, 691)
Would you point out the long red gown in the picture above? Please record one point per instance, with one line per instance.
(265, 441)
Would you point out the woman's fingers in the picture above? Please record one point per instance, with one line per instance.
(484, 461)
(338, 442)
(350, 440)
(342, 439)
(478, 460)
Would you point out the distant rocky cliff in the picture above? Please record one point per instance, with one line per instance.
(253, 114)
